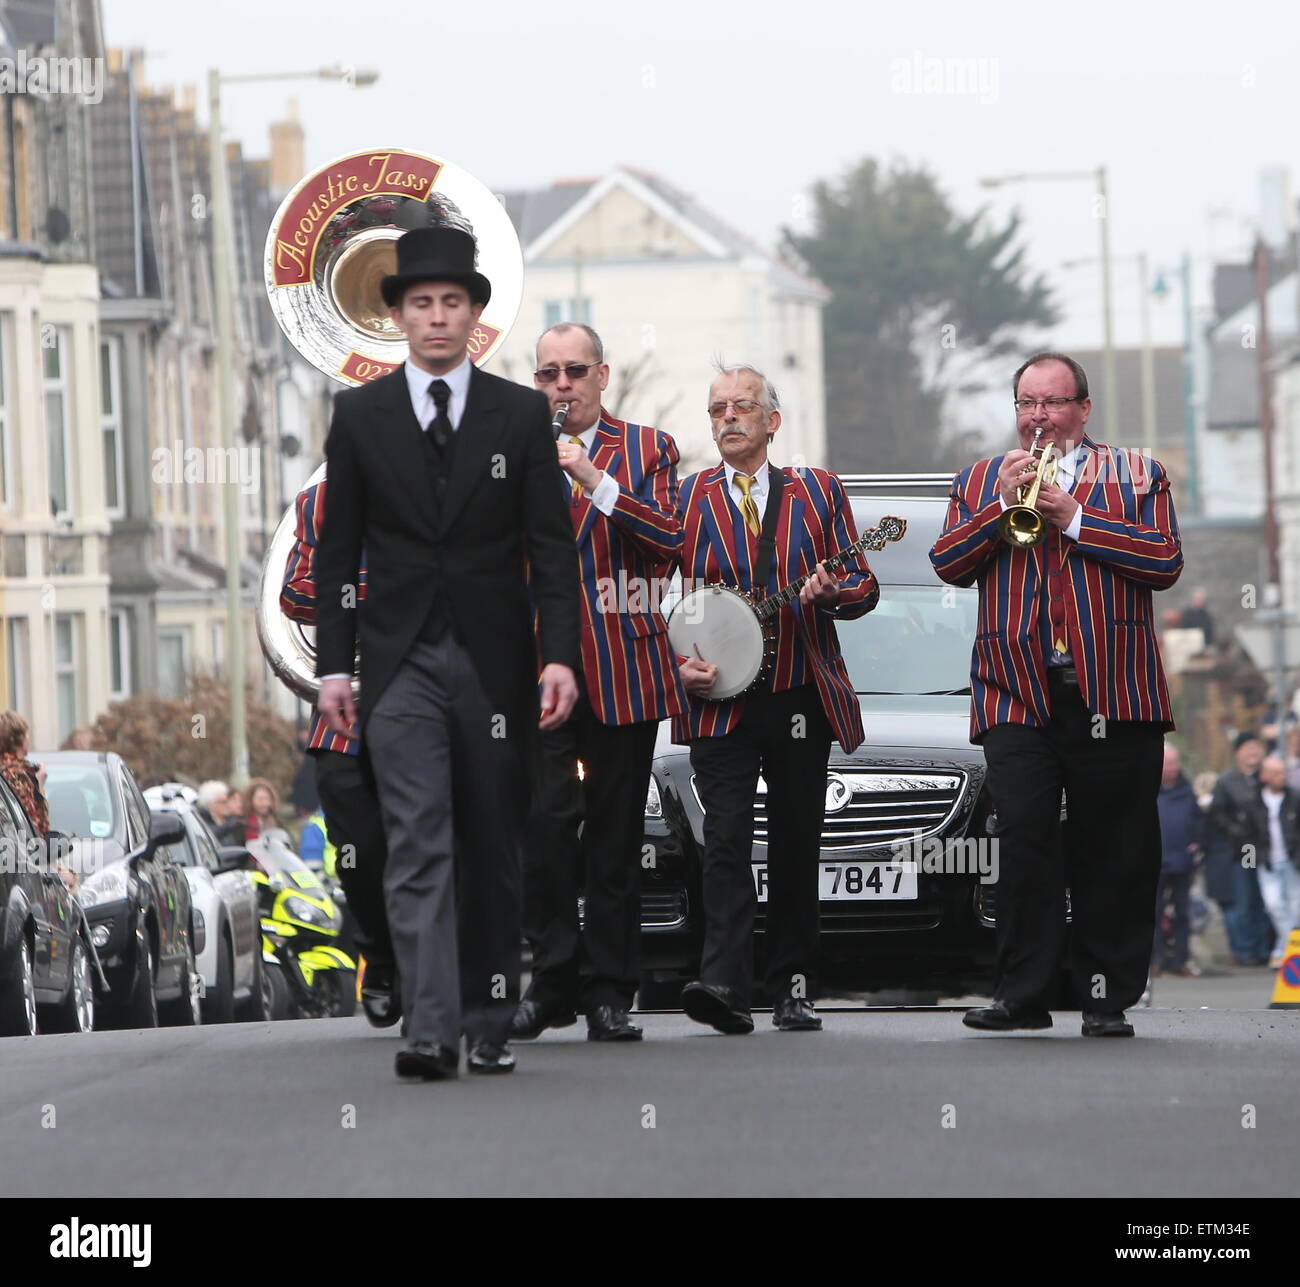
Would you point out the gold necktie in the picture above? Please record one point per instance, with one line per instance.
(748, 508)
(577, 486)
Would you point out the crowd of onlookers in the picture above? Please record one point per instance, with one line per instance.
(1241, 831)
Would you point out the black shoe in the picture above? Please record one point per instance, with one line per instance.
(381, 998)
(424, 1061)
(1102, 1023)
(609, 1023)
(1001, 1017)
(717, 1006)
(490, 1057)
(534, 1017)
(792, 1014)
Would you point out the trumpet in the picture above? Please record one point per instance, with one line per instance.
(1022, 526)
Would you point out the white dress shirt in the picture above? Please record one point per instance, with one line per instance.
(418, 382)
(757, 490)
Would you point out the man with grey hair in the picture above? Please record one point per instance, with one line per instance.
(586, 831)
(749, 524)
(214, 808)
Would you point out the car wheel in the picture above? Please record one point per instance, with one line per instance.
(219, 1004)
(76, 1012)
(18, 996)
(186, 1011)
(279, 1005)
(140, 1009)
(257, 1008)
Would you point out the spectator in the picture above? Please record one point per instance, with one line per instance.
(216, 806)
(1182, 834)
(1196, 616)
(25, 777)
(1293, 757)
(1236, 796)
(1277, 846)
(263, 805)
(82, 738)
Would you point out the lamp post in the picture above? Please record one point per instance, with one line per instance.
(223, 319)
(1192, 481)
(1100, 178)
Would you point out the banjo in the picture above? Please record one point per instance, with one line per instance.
(737, 631)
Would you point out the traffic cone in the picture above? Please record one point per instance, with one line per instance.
(1286, 992)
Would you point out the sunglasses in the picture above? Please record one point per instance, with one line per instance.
(575, 371)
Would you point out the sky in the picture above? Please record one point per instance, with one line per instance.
(747, 105)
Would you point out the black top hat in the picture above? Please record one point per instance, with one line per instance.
(437, 254)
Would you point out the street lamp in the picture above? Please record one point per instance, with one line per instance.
(223, 307)
(1099, 177)
(1192, 468)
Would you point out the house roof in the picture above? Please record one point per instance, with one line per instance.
(540, 215)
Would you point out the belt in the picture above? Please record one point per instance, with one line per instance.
(1065, 674)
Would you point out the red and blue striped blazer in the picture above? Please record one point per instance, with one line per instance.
(298, 599)
(1128, 546)
(626, 558)
(815, 521)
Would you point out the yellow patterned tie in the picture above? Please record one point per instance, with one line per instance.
(748, 508)
(577, 486)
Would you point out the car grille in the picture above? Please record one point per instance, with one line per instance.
(875, 807)
(663, 908)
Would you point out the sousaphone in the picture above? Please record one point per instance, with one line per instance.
(330, 245)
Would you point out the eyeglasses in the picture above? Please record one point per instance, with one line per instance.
(1049, 404)
(575, 371)
(719, 409)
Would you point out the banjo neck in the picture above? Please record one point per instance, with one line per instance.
(890, 529)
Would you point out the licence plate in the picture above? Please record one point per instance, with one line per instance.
(854, 881)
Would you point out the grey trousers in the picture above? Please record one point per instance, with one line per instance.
(451, 786)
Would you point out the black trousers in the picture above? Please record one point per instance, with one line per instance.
(584, 838)
(350, 803)
(1108, 853)
(787, 737)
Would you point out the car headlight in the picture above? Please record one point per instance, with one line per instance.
(101, 933)
(107, 886)
(302, 910)
(653, 805)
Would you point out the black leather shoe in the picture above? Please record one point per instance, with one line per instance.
(490, 1057)
(1001, 1017)
(380, 997)
(792, 1014)
(717, 1006)
(534, 1017)
(1112, 1023)
(424, 1061)
(609, 1023)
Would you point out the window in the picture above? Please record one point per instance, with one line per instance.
(218, 646)
(110, 383)
(555, 311)
(18, 697)
(8, 462)
(137, 811)
(119, 646)
(54, 360)
(67, 671)
(173, 661)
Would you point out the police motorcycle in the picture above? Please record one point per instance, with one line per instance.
(308, 974)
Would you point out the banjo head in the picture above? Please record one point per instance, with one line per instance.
(717, 624)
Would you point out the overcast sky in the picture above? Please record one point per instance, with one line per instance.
(745, 105)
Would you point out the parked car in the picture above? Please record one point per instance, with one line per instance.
(47, 963)
(915, 785)
(227, 930)
(136, 897)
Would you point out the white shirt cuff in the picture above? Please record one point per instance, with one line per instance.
(340, 675)
(1072, 528)
(604, 494)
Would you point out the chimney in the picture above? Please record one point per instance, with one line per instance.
(287, 164)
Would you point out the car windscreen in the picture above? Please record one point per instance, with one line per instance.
(916, 640)
(81, 803)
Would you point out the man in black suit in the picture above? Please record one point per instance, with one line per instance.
(449, 479)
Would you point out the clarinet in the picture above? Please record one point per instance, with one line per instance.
(561, 415)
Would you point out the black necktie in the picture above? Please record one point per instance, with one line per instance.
(440, 427)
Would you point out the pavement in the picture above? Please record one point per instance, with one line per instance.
(883, 1102)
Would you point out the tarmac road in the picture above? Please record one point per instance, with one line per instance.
(897, 1103)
